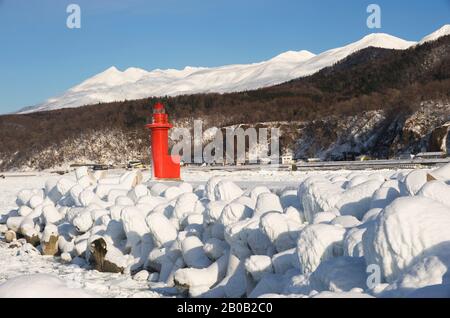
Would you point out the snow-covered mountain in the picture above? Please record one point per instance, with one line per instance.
(445, 30)
(134, 83)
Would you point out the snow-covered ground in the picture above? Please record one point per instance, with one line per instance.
(13, 265)
(227, 234)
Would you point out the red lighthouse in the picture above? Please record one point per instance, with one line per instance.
(164, 165)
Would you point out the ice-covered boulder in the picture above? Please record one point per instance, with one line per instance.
(258, 266)
(193, 253)
(436, 190)
(137, 192)
(371, 215)
(353, 242)
(24, 196)
(284, 261)
(235, 212)
(269, 283)
(356, 201)
(13, 223)
(356, 180)
(213, 211)
(51, 190)
(24, 210)
(267, 202)
(346, 221)
(289, 198)
(210, 188)
(51, 215)
(134, 225)
(415, 181)
(172, 192)
(281, 230)
(317, 243)
(318, 194)
(215, 248)
(237, 236)
(403, 231)
(227, 191)
(158, 189)
(64, 185)
(234, 284)
(161, 229)
(383, 197)
(340, 274)
(255, 192)
(185, 205)
(200, 280)
(323, 217)
(442, 173)
(294, 214)
(83, 221)
(124, 182)
(430, 271)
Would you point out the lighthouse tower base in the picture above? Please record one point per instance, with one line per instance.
(164, 166)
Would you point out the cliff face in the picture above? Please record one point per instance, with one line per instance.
(106, 146)
(377, 133)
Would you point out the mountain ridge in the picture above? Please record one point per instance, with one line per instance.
(134, 83)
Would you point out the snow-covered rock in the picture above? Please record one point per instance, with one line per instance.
(340, 274)
(267, 202)
(318, 194)
(281, 230)
(405, 230)
(442, 173)
(415, 181)
(219, 241)
(227, 191)
(161, 229)
(318, 243)
(258, 266)
(436, 190)
(357, 200)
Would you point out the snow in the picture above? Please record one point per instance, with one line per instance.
(242, 234)
(318, 243)
(405, 230)
(339, 275)
(40, 286)
(443, 31)
(134, 83)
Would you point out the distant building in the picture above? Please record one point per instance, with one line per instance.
(363, 158)
(405, 156)
(430, 155)
(287, 160)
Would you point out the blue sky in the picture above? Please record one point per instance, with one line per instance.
(40, 57)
